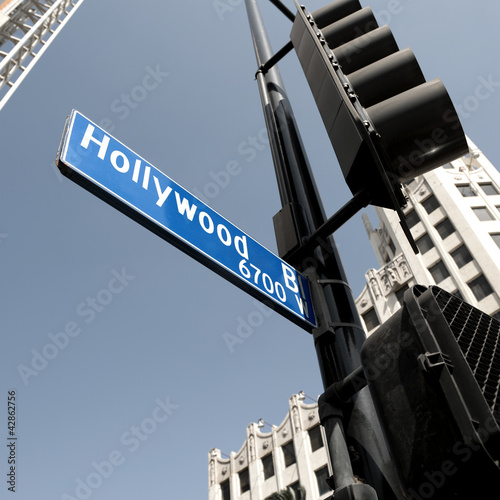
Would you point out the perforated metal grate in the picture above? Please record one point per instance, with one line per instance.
(478, 336)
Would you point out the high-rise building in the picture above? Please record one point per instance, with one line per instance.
(292, 454)
(454, 216)
(27, 28)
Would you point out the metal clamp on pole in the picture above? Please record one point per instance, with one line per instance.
(329, 326)
(276, 58)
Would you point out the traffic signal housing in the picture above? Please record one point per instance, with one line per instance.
(434, 373)
(386, 123)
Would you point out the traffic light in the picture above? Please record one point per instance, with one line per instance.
(434, 373)
(387, 124)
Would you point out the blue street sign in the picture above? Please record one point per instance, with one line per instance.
(101, 164)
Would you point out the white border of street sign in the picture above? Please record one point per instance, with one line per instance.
(95, 160)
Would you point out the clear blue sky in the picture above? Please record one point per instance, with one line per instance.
(144, 324)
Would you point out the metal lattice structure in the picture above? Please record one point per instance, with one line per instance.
(27, 27)
(478, 336)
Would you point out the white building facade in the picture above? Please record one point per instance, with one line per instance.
(454, 216)
(292, 454)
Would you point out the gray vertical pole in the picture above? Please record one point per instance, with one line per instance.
(339, 337)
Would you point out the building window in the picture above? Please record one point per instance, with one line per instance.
(445, 228)
(295, 487)
(321, 477)
(224, 488)
(244, 480)
(392, 246)
(482, 213)
(267, 463)
(461, 256)
(480, 288)
(465, 190)
(424, 243)
(489, 189)
(439, 272)
(412, 218)
(430, 204)
(496, 238)
(289, 454)
(315, 437)
(371, 320)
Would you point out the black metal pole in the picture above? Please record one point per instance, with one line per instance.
(339, 337)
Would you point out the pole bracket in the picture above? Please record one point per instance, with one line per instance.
(344, 482)
(337, 220)
(351, 208)
(265, 67)
(340, 393)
